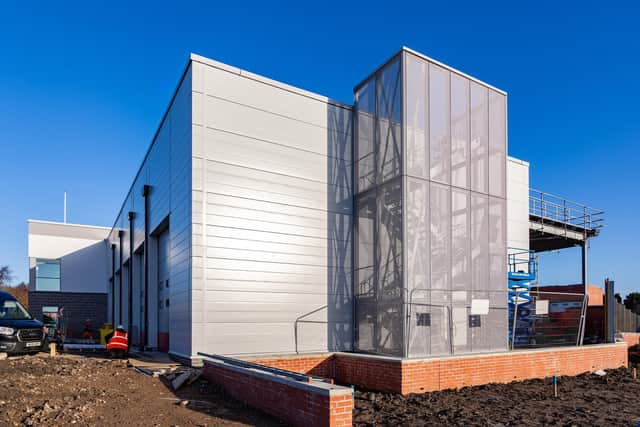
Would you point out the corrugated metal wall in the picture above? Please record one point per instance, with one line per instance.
(271, 216)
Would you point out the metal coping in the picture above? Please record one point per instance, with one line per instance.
(429, 59)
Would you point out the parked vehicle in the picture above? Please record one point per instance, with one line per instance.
(19, 332)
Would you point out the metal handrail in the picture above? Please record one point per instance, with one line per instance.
(559, 209)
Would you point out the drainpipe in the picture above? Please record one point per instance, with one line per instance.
(145, 193)
(113, 283)
(120, 235)
(132, 216)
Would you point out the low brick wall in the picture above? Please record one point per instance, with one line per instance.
(631, 338)
(295, 402)
(424, 375)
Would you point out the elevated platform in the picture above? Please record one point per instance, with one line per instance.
(558, 223)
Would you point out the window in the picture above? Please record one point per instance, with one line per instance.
(47, 275)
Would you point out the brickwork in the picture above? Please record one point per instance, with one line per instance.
(418, 376)
(321, 364)
(78, 307)
(296, 404)
(631, 338)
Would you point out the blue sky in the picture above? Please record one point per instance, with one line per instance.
(83, 88)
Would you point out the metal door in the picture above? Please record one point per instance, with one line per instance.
(163, 291)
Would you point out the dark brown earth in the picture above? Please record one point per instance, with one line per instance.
(585, 400)
(87, 391)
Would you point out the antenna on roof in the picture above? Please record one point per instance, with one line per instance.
(65, 207)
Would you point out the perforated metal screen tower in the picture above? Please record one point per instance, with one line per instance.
(430, 184)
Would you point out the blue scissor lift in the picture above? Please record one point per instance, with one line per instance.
(522, 276)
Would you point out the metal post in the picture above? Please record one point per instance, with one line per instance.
(609, 313)
(515, 320)
(120, 235)
(132, 216)
(145, 193)
(113, 283)
(584, 284)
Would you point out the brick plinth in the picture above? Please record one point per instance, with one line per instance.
(295, 402)
(631, 338)
(423, 375)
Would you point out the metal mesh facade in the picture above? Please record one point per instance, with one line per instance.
(431, 212)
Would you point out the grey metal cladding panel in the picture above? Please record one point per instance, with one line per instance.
(417, 117)
(497, 244)
(269, 157)
(479, 138)
(264, 338)
(497, 144)
(257, 94)
(439, 124)
(388, 138)
(460, 136)
(247, 121)
(365, 144)
(259, 282)
(265, 186)
(479, 242)
(460, 240)
(440, 219)
(418, 235)
(272, 185)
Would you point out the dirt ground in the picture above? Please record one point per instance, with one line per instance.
(585, 400)
(86, 391)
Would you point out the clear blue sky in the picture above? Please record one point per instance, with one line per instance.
(83, 88)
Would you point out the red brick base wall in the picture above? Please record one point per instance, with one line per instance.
(320, 365)
(421, 376)
(418, 376)
(631, 338)
(297, 405)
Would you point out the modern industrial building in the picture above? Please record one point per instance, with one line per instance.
(266, 219)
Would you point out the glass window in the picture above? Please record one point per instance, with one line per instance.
(13, 310)
(47, 275)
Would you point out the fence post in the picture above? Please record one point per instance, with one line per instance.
(609, 313)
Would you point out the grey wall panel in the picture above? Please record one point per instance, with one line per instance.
(271, 205)
(460, 240)
(417, 117)
(452, 227)
(439, 124)
(460, 139)
(479, 138)
(440, 219)
(497, 144)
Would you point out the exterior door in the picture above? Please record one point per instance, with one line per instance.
(163, 291)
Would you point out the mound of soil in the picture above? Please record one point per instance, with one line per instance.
(80, 390)
(587, 399)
